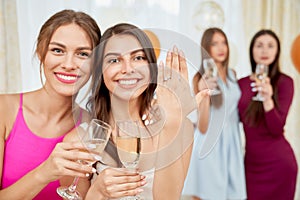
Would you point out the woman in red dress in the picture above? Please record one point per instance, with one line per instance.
(270, 164)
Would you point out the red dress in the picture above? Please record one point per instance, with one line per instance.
(270, 163)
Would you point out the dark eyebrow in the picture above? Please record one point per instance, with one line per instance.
(58, 44)
(135, 51)
(63, 46)
(118, 54)
(112, 54)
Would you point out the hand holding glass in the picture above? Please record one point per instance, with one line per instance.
(94, 137)
(211, 71)
(261, 72)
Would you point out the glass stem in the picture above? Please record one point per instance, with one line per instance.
(72, 187)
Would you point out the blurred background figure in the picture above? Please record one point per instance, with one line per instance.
(220, 174)
(268, 153)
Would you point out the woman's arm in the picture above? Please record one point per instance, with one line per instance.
(176, 139)
(202, 86)
(30, 185)
(276, 116)
(60, 162)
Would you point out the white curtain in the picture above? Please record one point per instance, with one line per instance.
(10, 76)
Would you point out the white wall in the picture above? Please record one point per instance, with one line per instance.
(171, 19)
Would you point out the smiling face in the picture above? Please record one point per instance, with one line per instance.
(125, 67)
(66, 64)
(265, 49)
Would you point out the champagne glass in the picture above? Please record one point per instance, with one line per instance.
(211, 71)
(261, 72)
(94, 137)
(128, 142)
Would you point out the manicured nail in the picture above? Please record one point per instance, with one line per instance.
(143, 176)
(254, 89)
(175, 49)
(139, 190)
(161, 64)
(94, 170)
(181, 54)
(252, 84)
(143, 182)
(169, 53)
(144, 116)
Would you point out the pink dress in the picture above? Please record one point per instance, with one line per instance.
(24, 151)
(270, 164)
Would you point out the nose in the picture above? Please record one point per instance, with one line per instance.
(69, 62)
(127, 67)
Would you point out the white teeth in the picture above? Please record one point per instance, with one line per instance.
(128, 82)
(68, 78)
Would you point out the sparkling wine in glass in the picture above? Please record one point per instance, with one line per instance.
(94, 137)
(128, 142)
(261, 72)
(211, 71)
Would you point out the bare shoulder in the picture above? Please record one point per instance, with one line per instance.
(9, 104)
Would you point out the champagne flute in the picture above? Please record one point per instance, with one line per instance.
(128, 142)
(94, 137)
(261, 72)
(211, 71)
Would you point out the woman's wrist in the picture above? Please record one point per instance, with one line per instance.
(268, 104)
(92, 192)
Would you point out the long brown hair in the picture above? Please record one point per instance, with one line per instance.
(255, 111)
(65, 17)
(99, 104)
(206, 43)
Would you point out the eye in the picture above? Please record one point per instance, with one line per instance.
(259, 45)
(84, 54)
(271, 46)
(56, 50)
(140, 58)
(113, 60)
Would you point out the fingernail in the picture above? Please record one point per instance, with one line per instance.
(169, 53)
(161, 64)
(144, 116)
(254, 89)
(252, 84)
(87, 174)
(139, 190)
(143, 176)
(143, 182)
(175, 49)
(181, 54)
(146, 122)
(94, 170)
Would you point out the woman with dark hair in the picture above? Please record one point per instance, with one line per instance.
(219, 172)
(124, 85)
(270, 164)
(34, 124)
